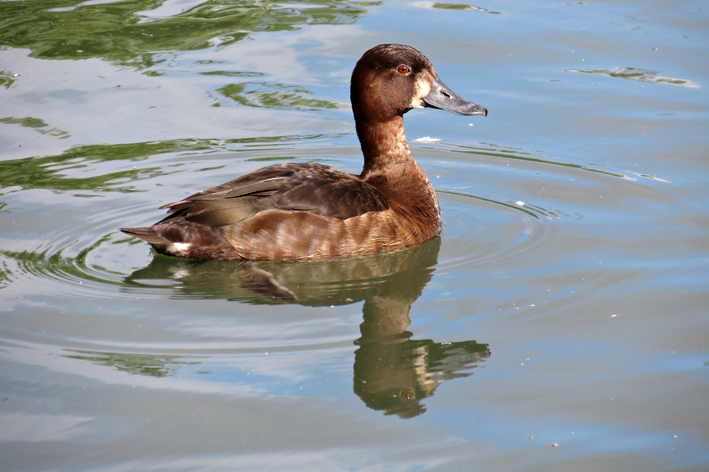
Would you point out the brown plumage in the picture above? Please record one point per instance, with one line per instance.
(312, 211)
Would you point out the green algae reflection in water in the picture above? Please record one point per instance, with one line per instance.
(263, 94)
(50, 172)
(631, 73)
(137, 364)
(131, 32)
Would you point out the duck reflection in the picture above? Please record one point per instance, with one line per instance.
(392, 372)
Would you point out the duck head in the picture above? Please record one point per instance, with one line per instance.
(391, 79)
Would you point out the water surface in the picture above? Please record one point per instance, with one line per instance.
(559, 322)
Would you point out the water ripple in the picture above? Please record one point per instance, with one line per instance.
(492, 207)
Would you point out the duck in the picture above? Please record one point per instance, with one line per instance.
(310, 211)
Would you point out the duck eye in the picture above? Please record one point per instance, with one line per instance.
(403, 70)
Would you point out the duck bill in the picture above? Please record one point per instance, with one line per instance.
(443, 98)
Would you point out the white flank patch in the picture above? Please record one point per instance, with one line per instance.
(179, 249)
(426, 139)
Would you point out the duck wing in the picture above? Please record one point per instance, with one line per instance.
(315, 188)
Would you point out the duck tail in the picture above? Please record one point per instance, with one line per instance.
(149, 235)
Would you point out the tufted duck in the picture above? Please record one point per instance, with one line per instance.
(301, 211)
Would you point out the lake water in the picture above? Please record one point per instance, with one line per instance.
(560, 322)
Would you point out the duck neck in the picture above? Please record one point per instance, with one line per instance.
(391, 168)
(385, 148)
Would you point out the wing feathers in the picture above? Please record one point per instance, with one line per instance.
(314, 188)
